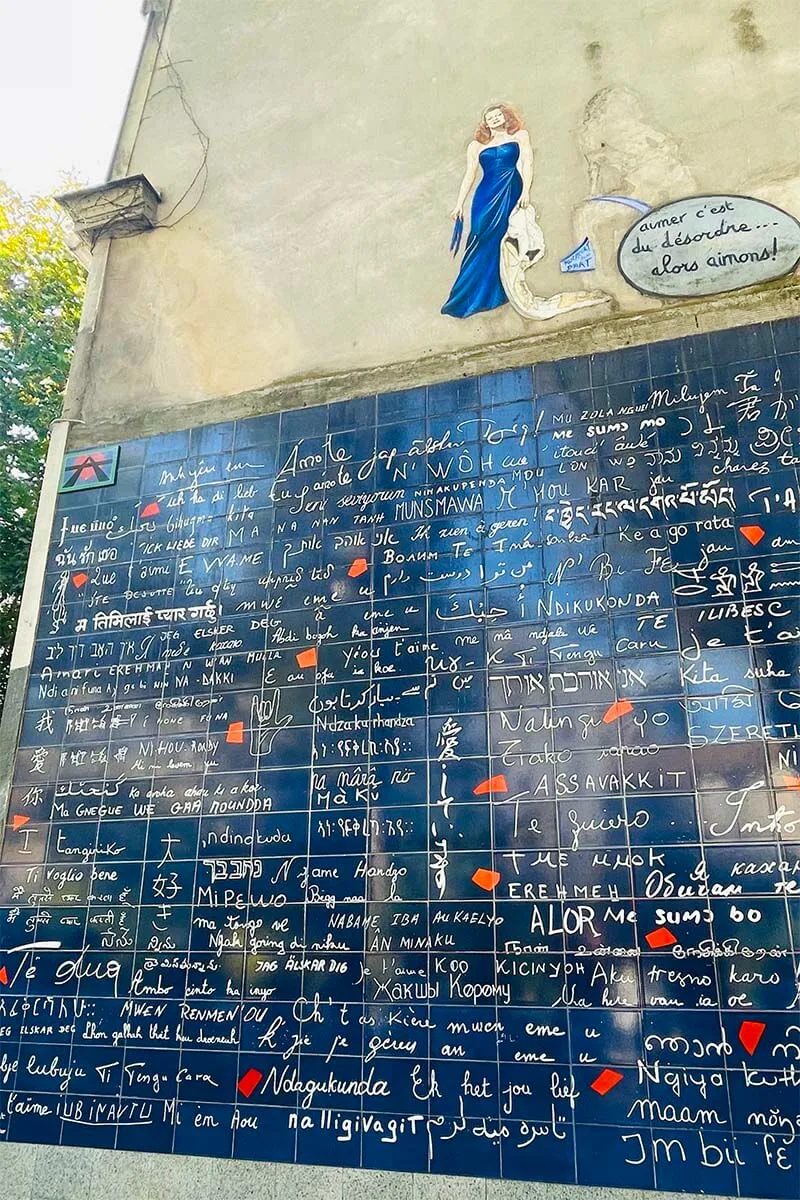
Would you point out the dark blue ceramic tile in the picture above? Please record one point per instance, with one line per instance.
(401, 406)
(786, 336)
(563, 375)
(358, 413)
(168, 447)
(211, 439)
(458, 396)
(620, 365)
(133, 453)
(305, 423)
(505, 386)
(739, 345)
(128, 484)
(257, 431)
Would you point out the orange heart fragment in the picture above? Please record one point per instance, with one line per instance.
(620, 708)
(486, 879)
(753, 533)
(492, 786)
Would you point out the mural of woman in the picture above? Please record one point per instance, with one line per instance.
(501, 151)
(505, 240)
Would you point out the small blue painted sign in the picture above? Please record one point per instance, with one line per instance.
(580, 259)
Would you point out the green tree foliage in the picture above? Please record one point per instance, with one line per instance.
(41, 290)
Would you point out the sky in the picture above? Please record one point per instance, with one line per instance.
(67, 69)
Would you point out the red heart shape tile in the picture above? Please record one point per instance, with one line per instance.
(605, 1081)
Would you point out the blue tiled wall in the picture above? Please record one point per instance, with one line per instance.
(411, 782)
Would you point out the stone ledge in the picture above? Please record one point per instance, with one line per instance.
(677, 319)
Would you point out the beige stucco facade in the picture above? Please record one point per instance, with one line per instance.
(314, 153)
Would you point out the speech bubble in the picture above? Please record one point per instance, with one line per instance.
(703, 245)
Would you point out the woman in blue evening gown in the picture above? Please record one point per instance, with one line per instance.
(501, 149)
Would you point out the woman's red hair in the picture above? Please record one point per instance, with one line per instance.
(483, 133)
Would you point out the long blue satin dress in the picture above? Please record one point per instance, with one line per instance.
(478, 286)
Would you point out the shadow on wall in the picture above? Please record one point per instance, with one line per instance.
(626, 155)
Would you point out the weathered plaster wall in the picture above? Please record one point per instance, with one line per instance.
(326, 144)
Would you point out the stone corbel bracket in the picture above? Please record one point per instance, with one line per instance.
(119, 208)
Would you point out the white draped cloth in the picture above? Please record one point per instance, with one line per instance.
(521, 248)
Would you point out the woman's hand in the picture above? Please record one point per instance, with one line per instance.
(457, 214)
(524, 201)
